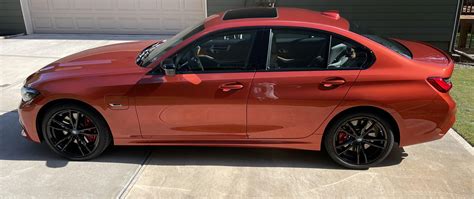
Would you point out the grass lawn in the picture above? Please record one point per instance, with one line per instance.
(463, 94)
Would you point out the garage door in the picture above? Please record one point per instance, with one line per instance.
(114, 16)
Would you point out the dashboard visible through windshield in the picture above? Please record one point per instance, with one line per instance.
(151, 53)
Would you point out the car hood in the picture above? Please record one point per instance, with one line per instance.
(111, 59)
(115, 55)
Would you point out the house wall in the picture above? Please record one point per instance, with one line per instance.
(11, 18)
(215, 6)
(424, 20)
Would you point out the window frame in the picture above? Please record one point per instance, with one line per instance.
(256, 41)
(317, 31)
(263, 38)
(270, 45)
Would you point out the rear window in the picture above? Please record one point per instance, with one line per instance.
(391, 44)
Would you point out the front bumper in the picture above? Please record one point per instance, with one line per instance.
(27, 118)
(23, 132)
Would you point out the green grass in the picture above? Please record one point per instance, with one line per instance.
(463, 94)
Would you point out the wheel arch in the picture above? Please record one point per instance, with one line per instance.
(371, 109)
(44, 108)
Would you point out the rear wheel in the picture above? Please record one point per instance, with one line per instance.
(75, 132)
(360, 140)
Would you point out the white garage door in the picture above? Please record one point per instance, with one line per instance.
(114, 16)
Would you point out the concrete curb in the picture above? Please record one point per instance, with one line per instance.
(461, 141)
(11, 36)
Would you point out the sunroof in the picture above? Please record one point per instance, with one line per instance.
(250, 13)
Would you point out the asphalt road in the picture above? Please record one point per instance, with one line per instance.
(442, 168)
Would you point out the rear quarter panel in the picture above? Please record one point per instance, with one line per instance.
(398, 85)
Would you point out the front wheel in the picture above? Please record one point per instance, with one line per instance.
(75, 132)
(359, 141)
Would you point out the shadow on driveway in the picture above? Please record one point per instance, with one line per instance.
(16, 148)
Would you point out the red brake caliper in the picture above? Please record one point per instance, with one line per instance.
(87, 123)
(342, 137)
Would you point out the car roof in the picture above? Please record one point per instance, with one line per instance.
(328, 18)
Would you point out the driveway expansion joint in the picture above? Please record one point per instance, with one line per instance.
(128, 186)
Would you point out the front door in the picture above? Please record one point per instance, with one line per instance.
(207, 98)
(308, 73)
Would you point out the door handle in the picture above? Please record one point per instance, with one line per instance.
(231, 86)
(217, 49)
(332, 82)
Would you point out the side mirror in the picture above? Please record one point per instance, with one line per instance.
(169, 67)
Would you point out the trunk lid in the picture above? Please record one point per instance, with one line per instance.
(426, 53)
(430, 55)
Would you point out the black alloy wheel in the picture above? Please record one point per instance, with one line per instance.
(75, 132)
(359, 141)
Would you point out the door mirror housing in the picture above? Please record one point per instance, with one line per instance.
(169, 67)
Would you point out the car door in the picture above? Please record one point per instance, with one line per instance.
(306, 76)
(207, 97)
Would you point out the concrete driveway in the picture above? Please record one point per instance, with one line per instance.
(442, 168)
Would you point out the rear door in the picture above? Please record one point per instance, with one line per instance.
(307, 75)
(207, 98)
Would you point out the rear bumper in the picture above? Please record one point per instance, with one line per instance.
(443, 115)
(437, 133)
(450, 118)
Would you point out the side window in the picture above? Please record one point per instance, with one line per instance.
(298, 50)
(348, 55)
(217, 53)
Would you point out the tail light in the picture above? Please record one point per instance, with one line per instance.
(441, 84)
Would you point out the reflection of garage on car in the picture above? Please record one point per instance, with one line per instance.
(226, 50)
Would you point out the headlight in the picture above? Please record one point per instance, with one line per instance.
(28, 94)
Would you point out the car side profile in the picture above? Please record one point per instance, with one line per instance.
(253, 77)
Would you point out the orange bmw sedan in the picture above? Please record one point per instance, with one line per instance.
(254, 77)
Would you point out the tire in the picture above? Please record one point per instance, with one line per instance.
(75, 132)
(347, 145)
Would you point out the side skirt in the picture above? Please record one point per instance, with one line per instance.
(310, 143)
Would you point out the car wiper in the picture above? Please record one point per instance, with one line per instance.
(145, 53)
(142, 56)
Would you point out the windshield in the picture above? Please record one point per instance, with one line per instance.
(389, 43)
(153, 52)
